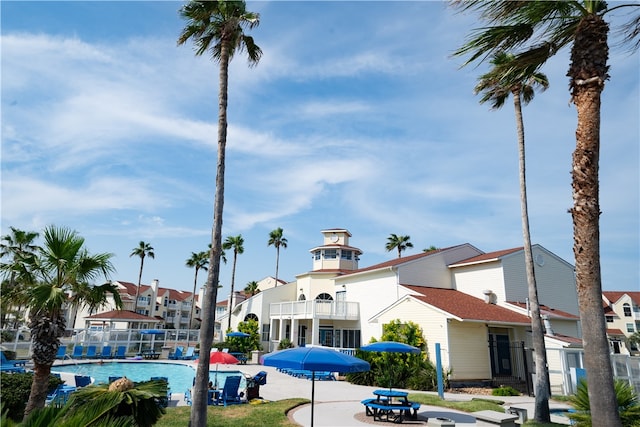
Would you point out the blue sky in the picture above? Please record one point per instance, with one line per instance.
(356, 117)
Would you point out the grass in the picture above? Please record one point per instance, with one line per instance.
(272, 414)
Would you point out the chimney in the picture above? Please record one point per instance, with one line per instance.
(154, 285)
(547, 325)
(489, 296)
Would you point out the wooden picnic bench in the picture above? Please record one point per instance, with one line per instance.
(383, 410)
(150, 354)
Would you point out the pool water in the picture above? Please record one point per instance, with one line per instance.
(180, 376)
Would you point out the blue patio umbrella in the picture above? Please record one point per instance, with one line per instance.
(391, 347)
(238, 334)
(315, 359)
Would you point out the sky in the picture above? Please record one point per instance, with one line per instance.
(357, 116)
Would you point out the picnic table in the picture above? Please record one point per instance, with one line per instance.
(150, 354)
(242, 358)
(391, 406)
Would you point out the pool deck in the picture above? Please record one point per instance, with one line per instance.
(337, 403)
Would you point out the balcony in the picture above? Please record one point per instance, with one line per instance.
(315, 309)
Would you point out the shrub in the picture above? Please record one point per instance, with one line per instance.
(628, 404)
(285, 343)
(505, 391)
(15, 391)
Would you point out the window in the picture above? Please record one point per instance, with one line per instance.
(330, 254)
(627, 310)
(350, 338)
(609, 319)
(324, 297)
(630, 327)
(347, 254)
(265, 332)
(250, 316)
(302, 297)
(316, 255)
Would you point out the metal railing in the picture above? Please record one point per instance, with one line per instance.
(315, 309)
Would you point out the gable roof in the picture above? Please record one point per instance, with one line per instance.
(614, 296)
(123, 315)
(466, 307)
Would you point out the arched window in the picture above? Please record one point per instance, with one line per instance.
(324, 297)
(627, 309)
(302, 297)
(250, 316)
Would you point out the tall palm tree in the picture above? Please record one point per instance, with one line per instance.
(237, 244)
(17, 249)
(401, 243)
(496, 86)
(252, 288)
(143, 250)
(61, 265)
(537, 30)
(218, 27)
(198, 261)
(277, 240)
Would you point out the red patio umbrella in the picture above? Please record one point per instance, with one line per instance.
(219, 357)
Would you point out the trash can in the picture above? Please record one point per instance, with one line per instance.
(440, 422)
(253, 385)
(164, 354)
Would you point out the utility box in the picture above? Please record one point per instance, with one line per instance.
(440, 422)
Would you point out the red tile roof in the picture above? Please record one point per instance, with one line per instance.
(121, 315)
(567, 339)
(489, 256)
(614, 332)
(466, 307)
(552, 312)
(614, 296)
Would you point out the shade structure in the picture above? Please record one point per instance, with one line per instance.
(238, 334)
(153, 333)
(219, 357)
(391, 347)
(315, 359)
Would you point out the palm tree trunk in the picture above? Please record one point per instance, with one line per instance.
(207, 328)
(233, 281)
(193, 303)
(39, 387)
(588, 72)
(277, 262)
(135, 304)
(542, 388)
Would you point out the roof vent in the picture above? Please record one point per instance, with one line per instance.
(489, 296)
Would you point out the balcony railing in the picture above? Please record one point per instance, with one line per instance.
(315, 309)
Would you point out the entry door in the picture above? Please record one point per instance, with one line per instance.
(326, 337)
(500, 354)
(302, 335)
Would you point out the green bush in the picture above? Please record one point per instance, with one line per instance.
(628, 404)
(15, 391)
(285, 343)
(505, 391)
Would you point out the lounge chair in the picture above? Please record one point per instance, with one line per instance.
(91, 352)
(7, 365)
(176, 355)
(121, 352)
(229, 394)
(77, 352)
(59, 396)
(106, 352)
(62, 352)
(190, 354)
(82, 380)
(164, 401)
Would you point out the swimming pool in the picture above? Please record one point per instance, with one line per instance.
(180, 376)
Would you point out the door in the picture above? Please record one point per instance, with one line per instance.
(500, 354)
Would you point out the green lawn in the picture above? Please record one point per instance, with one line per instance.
(274, 414)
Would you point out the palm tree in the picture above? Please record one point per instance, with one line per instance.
(218, 27)
(198, 261)
(538, 30)
(143, 250)
(496, 86)
(401, 243)
(236, 243)
(18, 248)
(277, 240)
(252, 288)
(61, 265)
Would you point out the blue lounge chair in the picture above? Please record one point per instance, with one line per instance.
(190, 354)
(106, 352)
(176, 355)
(121, 352)
(77, 352)
(62, 352)
(164, 401)
(230, 395)
(7, 365)
(82, 380)
(91, 352)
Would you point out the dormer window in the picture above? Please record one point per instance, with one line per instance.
(627, 310)
(347, 254)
